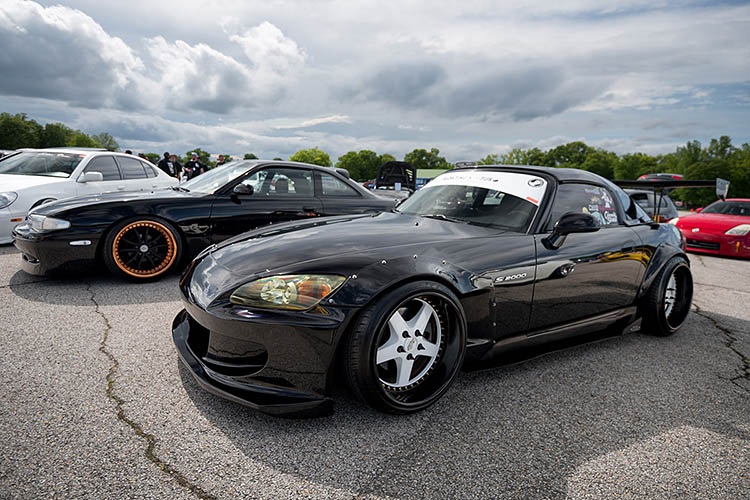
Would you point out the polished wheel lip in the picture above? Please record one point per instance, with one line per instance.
(670, 295)
(167, 260)
(406, 342)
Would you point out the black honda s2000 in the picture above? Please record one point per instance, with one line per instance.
(479, 262)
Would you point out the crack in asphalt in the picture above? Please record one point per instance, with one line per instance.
(730, 343)
(122, 415)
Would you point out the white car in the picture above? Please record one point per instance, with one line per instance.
(35, 176)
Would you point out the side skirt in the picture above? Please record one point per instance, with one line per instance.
(620, 318)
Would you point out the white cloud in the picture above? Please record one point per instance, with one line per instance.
(274, 76)
(267, 47)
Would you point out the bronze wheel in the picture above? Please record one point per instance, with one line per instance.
(142, 249)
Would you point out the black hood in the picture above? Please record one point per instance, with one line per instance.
(336, 245)
(334, 238)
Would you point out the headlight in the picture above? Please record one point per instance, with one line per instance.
(740, 230)
(297, 292)
(41, 223)
(674, 221)
(7, 198)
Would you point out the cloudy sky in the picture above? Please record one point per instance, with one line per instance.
(470, 78)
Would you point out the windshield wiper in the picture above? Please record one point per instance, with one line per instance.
(442, 217)
(462, 221)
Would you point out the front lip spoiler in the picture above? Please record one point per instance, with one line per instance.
(304, 408)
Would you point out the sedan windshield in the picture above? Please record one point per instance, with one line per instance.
(500, 199)
(218, 177)
(728, 208)
(47, 164)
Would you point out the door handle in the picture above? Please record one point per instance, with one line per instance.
(121, 188)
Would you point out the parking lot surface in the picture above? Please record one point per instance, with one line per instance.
(95, 404)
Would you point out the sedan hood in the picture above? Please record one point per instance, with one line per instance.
(9, 182)
(712, 223)
(64, 205)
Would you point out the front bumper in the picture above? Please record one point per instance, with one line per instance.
(52, 253)
(8, 220)
(280, 363)
(717, 244)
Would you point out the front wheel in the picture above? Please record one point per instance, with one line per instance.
(405, 349)
(668, 301)
(143, 249)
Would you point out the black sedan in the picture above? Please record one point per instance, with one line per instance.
(142, 236)
(480, 262)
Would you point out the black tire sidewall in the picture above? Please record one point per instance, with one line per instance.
(655, 317)
(366, 335)
(109, 260)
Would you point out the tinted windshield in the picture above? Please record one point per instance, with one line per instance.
(502, 199)
(41, 163)
(728, 208)
(217, 177)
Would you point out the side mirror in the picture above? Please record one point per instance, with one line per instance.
(698, 210)
(91, 177)
(243, 189)
(569, 223)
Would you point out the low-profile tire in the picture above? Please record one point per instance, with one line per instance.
(405, 349)
(142, 249)
(667, 304)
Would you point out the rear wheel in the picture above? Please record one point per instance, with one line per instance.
(142, 249)
(406, 349)
(668, 301)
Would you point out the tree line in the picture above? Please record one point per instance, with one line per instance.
(719, 158)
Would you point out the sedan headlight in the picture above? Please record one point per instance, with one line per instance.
(7, 198)
(41, 223)
(740, 230)
(296, 292)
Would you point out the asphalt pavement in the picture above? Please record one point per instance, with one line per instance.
(96, 405)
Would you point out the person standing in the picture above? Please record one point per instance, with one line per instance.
(221, 161)
(169, 165)
(194, 167)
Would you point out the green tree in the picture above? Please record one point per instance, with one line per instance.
(707, 169)
(16, 131)
(278, 159)
(55, 135)
(600, 162)
(107, 141)
(631, 166)
(250, 156)
(203, 156)
(313, 156)
(572, 154)
(721, 148)
(153, 157)
(363, 165)
(423, 159)
(491, 159)
(81, 140)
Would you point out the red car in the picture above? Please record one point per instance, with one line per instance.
(722, 228)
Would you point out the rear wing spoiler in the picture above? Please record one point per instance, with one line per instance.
(662, 187)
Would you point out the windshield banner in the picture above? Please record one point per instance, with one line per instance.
(526, 187)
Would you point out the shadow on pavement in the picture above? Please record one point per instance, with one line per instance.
(109, 290)
(516, 431)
